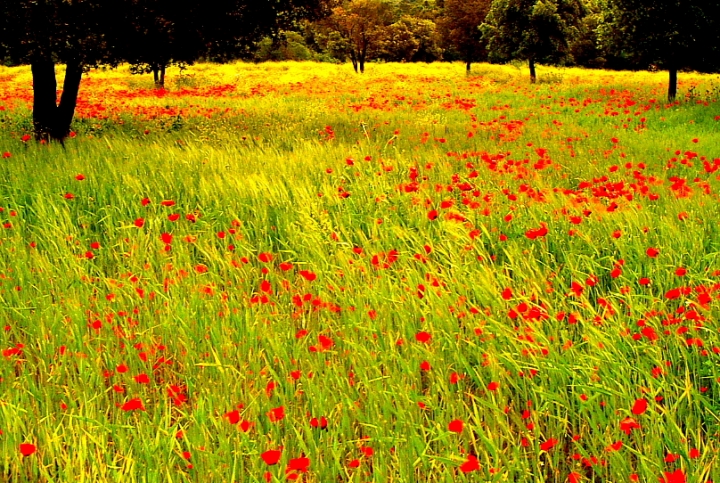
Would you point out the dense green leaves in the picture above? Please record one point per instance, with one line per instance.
(672, 34)
(149, 34)
(459, 23)
(538, 31)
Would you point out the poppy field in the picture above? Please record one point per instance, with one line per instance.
(288, 272)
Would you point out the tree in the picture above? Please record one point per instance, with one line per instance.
(41, 32)
(160, 33)
(86, 33)
(672, 34)
(166, 32)
(538, 31)
(410, 39)
(459, 24)
(358, 26)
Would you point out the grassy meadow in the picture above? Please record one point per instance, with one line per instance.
(287, 271)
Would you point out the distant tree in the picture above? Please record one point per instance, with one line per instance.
(289, 45)
(43, 32)
(356, 29)
(161, 33)
(673, 34)
(538, 31)
(585, 49)
(166, 32)
(458, 24)
(85, 33)
(410, 39)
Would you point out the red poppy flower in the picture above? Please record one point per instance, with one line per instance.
(640, 406)
(549, 444)
(276, 414)
(615, 446)
(139, 222)
(26, 449)
(233, 416)
(326, 342)
(308, 275)
(265, 257)
(456, 426)
(423, 336)
(432, 215)
(319, 423)
(142, 379)
(652, 252)
(271, 456)
(493, 386)
(676, 476)
(80, 177)
(671, 458)
(472, 464)
(298, 464)
(133, 405)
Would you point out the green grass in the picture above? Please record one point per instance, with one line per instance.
(262, 157)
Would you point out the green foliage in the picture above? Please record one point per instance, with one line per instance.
(288, 45)
(671, 33)
(458, 24)
(533, 30)
(357, 28)
(410, 39)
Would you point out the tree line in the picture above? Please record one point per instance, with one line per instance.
(615, 34)
(151, 35)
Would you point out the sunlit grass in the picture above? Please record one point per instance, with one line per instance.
(392, 252)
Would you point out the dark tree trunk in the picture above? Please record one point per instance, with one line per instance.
(672, 85)
(354, 60)
(44, 98)
(468, 60)
(361, 60)
(158, 71)
(467, 67)
(533, 75)
(50, 120)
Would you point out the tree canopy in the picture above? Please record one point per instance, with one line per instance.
(672, 34)
(538, 31)
(154, 33)
(459, 22)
